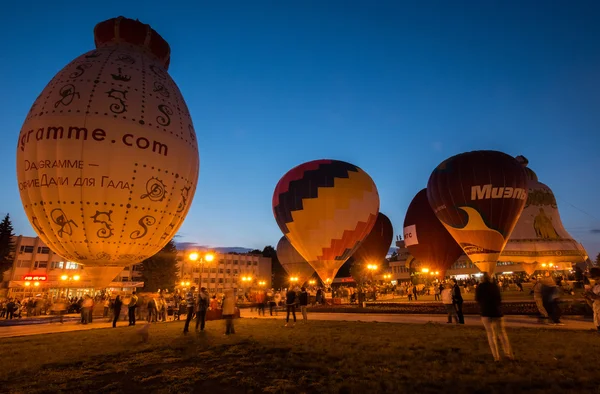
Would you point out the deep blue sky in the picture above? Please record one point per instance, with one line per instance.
(392, 88)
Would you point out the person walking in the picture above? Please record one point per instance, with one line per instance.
(290, 303)
(437, 292)
(229, 311)
(117, 310)
(189, 298)
(152, 310)
(203, 301)
(450, 308)
(489, 299)
(457, 300)
(303, 299)
(131, 306)
(550, 294)
(539, 303)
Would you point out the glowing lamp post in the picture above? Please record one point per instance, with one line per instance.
(200, 259)
(68, 281)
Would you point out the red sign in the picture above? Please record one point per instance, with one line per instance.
(36, 278)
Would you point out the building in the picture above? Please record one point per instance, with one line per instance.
(225, 271)
(38, 270)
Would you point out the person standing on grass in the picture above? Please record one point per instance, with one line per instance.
(290, 303)
(457, 300)
(489, 299)
(537, 297)
(450, 308)
(203, 301)
(131, 306)
(550, 294)
(303, 300)
(229, 311)
(261, 297)
(117, 310)
(189, 298)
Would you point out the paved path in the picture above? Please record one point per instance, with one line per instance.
(511, 321)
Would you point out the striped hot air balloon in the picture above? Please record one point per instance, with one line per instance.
(325, 208)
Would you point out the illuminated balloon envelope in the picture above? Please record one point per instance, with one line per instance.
(376, 245)
(325, 208)
(107, 158)
(293, 263)
(427, 239)
(478, 196)
(539, 236)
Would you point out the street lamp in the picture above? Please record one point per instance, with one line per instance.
(69, 279)
(195, 256)
(424, 270)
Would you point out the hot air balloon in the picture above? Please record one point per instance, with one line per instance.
(325, 208)
(107, 158)
(478, 196)
(427, 239)
(376, 245)
(539, 236)
(293, 263)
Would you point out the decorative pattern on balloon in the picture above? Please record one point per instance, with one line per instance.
(160, 89)
(120, 96)
(65, 224)
(106, 231)
(155, 190)
(67, 95)
(185, 191)
(165, 119)
(80, 70)
(119, 76)
(144, 223)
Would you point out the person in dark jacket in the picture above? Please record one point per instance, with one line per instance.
(203, 301)
(489, 299)
(290, 302)
(117, 310)
(303, 300)
(457, 300)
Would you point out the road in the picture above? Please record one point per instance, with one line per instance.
(511, 321)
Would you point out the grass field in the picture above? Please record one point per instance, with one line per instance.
(320, 357)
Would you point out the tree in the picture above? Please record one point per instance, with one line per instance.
(7, 245)
(597, 262)
(255, 251)
(160, 270)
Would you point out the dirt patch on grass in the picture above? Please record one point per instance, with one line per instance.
(320, 357)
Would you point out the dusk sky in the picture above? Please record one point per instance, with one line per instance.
(393, 88)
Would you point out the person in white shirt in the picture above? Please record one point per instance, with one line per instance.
(447, 301)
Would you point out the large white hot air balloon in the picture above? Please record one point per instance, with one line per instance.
(107, 159)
